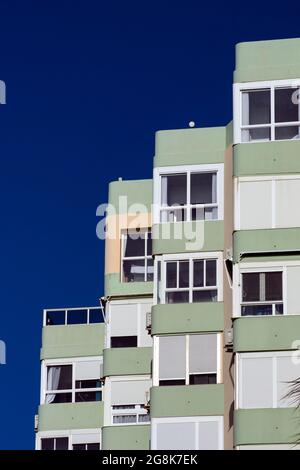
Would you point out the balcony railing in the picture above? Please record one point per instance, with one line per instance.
(73, 316)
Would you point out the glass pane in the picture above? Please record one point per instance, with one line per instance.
(144, 418)
(286, 107)
(183, 274)
(173, 215)
(250, 287)
(61, 443)
(205, 295)
(286, 133)
(273, 286)
(171, 275)
(93, 446)
(211, 213)
(88, 396)
(256, 107)
(123, 341)
(60, 397)
(211, 272)
(149, 244)
(279, 309)
(150, 269)
(47, 444)
(94, 383)
(124, 419)
(173, 190)
(96, 316)
(134, 244)
(198, 273)
(203, 188)
(76, 317)
(177, 297)
(55, 318)
(134, 270)
(79, 446)
(256, 310)
(253, 135)
(59, 377)
(170, 382)
(203, 379)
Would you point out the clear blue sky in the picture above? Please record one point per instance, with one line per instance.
(88, 84)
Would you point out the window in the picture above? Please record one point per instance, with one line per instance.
(129, 414)
(90, 446)
(187, 433)
(137, 262)
(189, 196)
(188, 360)
(73, 316)
(123, 342)
(76, 382)
(264, 378)
(55, 443)
(188, 280)
(262, 293)
(269, 113)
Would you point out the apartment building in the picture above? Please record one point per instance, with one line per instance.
(195, 341)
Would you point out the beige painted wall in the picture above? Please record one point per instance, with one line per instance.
(114, 226)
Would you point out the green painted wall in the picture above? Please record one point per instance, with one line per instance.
(266, 426)
(114, 287)
(126, 437)
(265, 240)
(191, 400)
(187, 318)
(176, 237)
(72, 341)
(267, 60)
(127, 361)
(190, 146)
(266, 333)
(266, 158)
(136, 191)
(70, 416)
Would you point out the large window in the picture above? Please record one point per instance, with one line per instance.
(137, 262)
(263, 379)
(69, 440)
(187, 433)
(269, 112)
(188, 360)
(129, 414)
(262, 293)
(75, 382)
(189, 196)
(55, 443)
(187, 280)
(73, 316)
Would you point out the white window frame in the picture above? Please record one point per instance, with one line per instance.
(137, 410)
(67, 434)
(218, 371)
(239, 375)
(69, 311)
(188, 170)
(255, 179)
(190, 257)
(145, 258)
(238, 88)
(188, 419)
(66, 362)
(244, 268)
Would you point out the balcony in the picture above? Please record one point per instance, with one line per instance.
(72, 333)
(187, 318)
(70, 416)
(126, 437)
(266, 426)
(127, 361)
(187, 400)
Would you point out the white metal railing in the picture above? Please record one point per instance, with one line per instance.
(73, 316)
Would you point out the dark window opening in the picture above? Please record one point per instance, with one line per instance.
(123, 341)
(203, 379)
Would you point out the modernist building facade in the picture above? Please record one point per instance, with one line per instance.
(195, 341)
